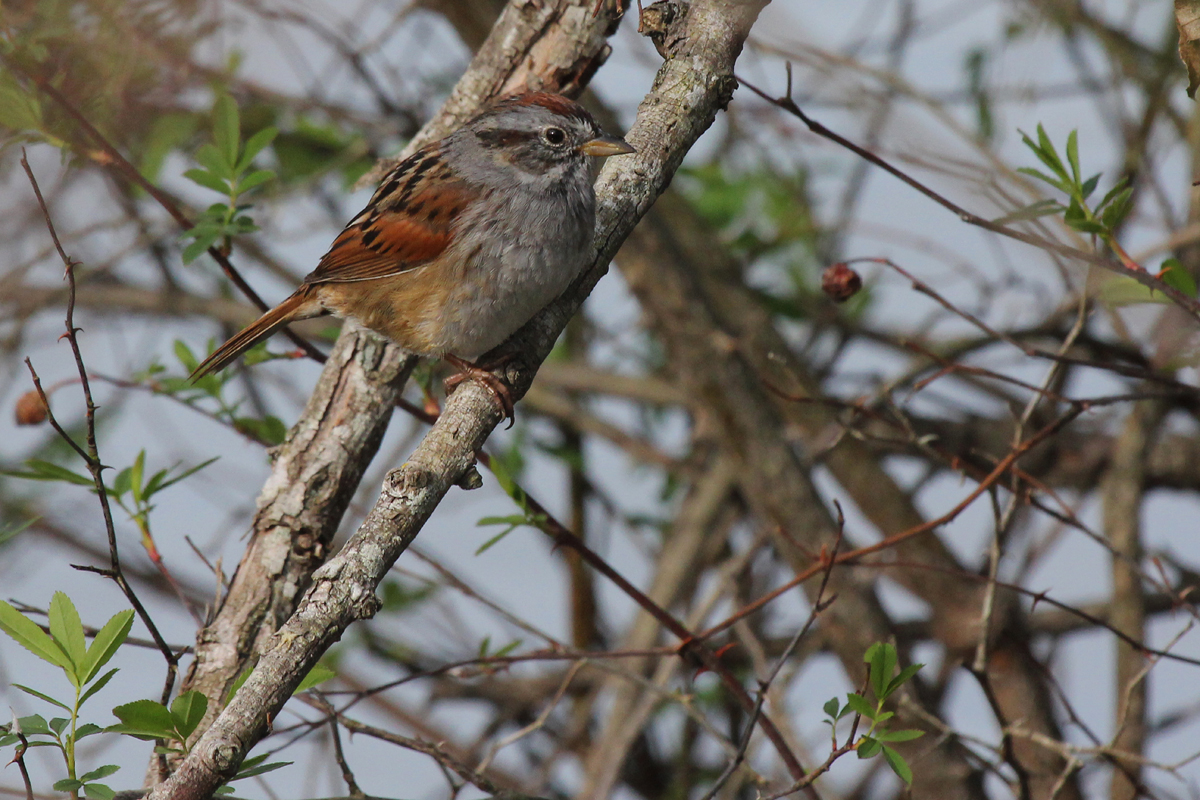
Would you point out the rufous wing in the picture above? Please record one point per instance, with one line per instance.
(409, 222)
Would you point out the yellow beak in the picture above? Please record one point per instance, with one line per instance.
(605, 146)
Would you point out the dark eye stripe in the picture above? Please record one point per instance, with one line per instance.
(497, 137)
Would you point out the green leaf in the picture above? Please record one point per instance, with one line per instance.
(860, 705)
(1073, 154)
(898, 764)
(26, 633)
(99, 772)
(185, 356)
(66, 785)
(200, 245)
(208, 180)
(47, 471)
(903, 678)
(1041, 176)
(121, 482)
(187, 710)
(237, 684)
(107, 640)
(260, 769)
(254, 146)
(1122, 290)
(1089, 186)
(882, 658)
(98, 791)
(86, 730)
(167, 132)
(831, 707)
(41, 696)
(9, 532)
(899, 736)
(254, 179)
(227, 131)
(135, 477)
(1113, 192)
(154, 486)
(59, 724)
(144, 719)
(212, 160)
(1115, 212)
(34, 725)
(269, 430)
(317, 675)
(1048, 155)
(868, 747)
(495, 539)
(1175, 275)
(1032, 211)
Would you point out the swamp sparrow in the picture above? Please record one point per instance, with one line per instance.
(464, 241)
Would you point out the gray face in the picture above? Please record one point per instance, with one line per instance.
(538, 134)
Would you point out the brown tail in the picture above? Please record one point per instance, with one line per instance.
(299, 306)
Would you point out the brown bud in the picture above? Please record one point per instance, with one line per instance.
(840, 282)
(30, 409)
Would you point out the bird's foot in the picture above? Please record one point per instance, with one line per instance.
(482, 373)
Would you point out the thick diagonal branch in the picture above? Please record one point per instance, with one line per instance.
(688, 91)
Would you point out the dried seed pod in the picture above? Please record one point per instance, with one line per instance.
(30, 410)
(840, 282)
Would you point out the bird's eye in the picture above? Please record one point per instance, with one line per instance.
(554, 136)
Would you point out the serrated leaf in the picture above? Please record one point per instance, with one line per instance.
(317, 675)
(41, 696)
(86, 730)
(144, 719)
(26, 633)
(98, 791)
(898, 764)
(99, 772)
(34, 725)
(187, 710)
(227, 130)
(869, 747)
